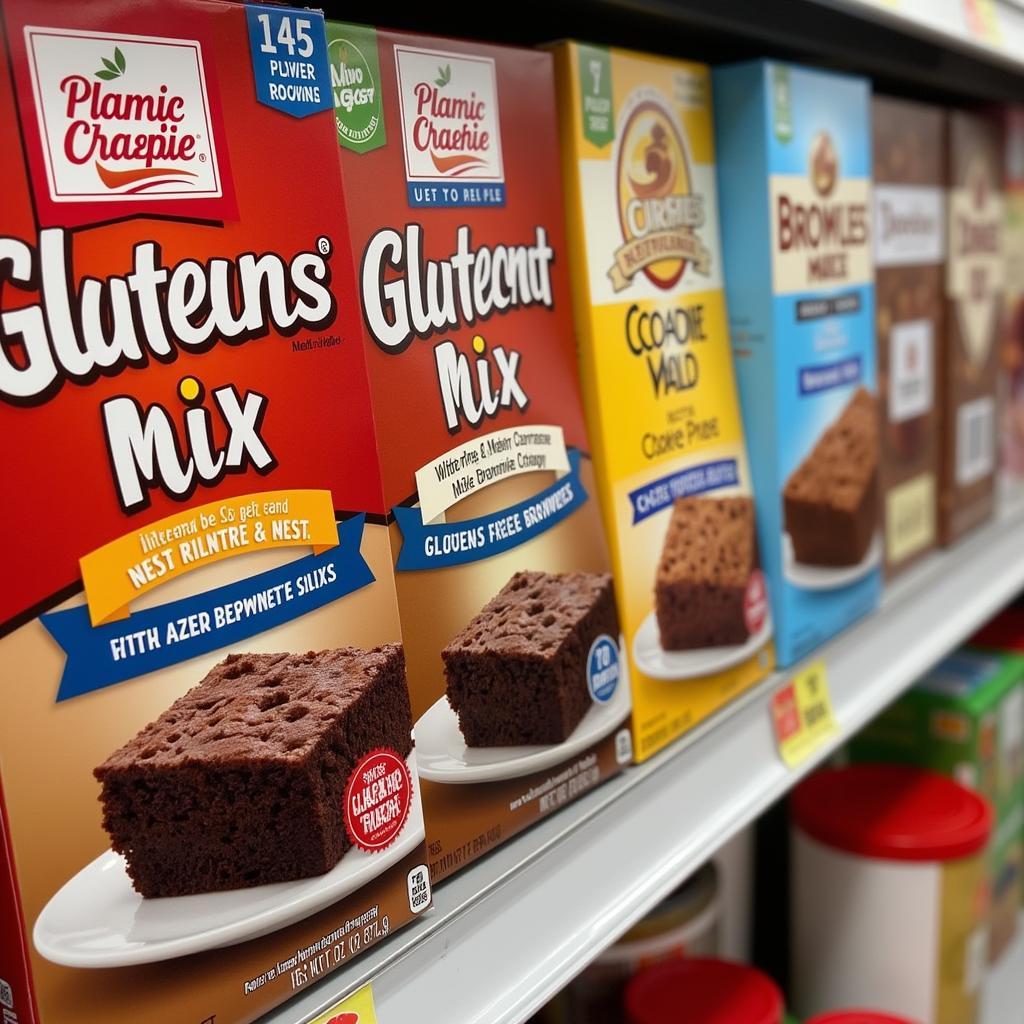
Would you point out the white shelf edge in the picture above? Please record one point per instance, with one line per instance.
(946, 22)
(510, 931)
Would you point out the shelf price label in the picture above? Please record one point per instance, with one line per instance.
(354, 1009)
(802, 714)
(983, 21)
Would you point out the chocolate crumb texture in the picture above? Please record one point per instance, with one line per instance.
(517, 674)
(241, 781)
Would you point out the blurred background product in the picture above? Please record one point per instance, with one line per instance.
(889, 892)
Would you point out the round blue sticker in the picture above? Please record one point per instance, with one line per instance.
(603, 669)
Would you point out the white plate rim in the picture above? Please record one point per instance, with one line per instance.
(265, 923)
(539, 758)
(732, 655)
(825, 578)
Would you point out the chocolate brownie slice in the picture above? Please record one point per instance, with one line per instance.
(831, 499)
(517, 674)
(241, 781)
(701, 582)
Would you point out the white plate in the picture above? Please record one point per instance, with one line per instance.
(444, 756)
(98, 920)
(653, 661)
(824, 577)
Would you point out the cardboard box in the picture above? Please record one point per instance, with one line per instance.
(449, 155)
(660, 393)
(1011, 363)
(185, 411)
(965, 719)
(794, 167)
(910, 254)
(974, 298)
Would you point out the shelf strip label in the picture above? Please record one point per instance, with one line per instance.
(357, 1008)
(802, 714)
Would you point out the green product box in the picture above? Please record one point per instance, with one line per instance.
(965, 719)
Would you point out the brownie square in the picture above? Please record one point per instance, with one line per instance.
(241, 781)
(517, 674)
(831, 499)
(709, 553)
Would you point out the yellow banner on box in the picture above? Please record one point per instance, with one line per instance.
(802, 714)
(138, 562)
(357, 1008)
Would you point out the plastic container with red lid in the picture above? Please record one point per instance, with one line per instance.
(892, 811)
(859, 1017)
(889, 894)
(702, 991)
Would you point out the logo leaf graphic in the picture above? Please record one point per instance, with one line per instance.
(444, 76)
(112, 68)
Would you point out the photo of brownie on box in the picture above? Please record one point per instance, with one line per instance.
(517, 674)
(241, 781)
(831, 499)
(709, 552)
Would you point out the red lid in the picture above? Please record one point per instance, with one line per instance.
(1005, 631)
(893, 812)
(702, 992)
(858, 1017)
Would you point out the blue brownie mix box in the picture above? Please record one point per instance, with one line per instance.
(794, 172)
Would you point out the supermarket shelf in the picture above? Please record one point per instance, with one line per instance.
(509, 932)
(937, 49)
(1002, 1000)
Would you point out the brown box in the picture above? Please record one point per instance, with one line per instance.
(909, 250)
(974, 287)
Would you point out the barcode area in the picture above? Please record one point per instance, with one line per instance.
(975, 441)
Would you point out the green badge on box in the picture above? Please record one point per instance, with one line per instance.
(595, 69)
(782, 103)
(355, 86)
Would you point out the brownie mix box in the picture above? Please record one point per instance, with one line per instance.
(794, 169)
(658, 382)
(974, 297)
(1011, 350)
(208, 775)
(910, 250)
(449, 156)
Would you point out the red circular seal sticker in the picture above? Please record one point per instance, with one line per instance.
(377, 800)
(345, 1018)
(755, 603)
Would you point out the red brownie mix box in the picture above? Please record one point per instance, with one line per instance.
(449, 156)
(974, 299)
(208, 773)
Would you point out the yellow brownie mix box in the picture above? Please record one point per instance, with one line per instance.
(672, 468)
(449, 157)
(209, 794)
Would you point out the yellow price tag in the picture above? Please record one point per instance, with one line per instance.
(802, 714)
(354, 1009)
(983, 20)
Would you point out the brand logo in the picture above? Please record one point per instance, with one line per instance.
(658, 212)
(975, 269)
(355, 87)
(122, 118)
(824, 165)
(450, 128)
(820, 225)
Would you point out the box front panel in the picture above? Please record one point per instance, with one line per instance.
(459, 238)
(659, 383)
(909, 249)
(189, 487)
(974, 296)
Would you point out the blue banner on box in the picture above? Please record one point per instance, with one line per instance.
(156, 638)
(658, 494)
(832, 375)
(442, 544)
(289, 59)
